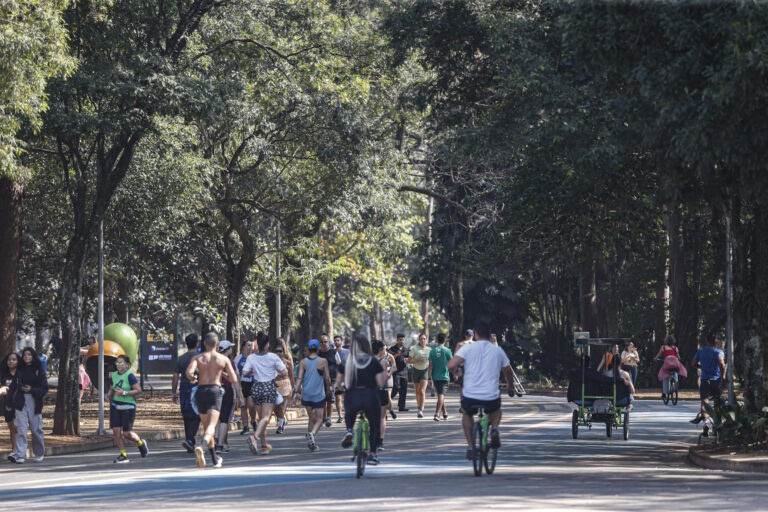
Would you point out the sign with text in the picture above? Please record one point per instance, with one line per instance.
(158, 357)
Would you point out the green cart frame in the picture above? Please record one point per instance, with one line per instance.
(614, 414)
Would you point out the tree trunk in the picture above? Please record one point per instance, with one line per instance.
(11, 218)
(588, 297)
(329, 307)
(661, 310)
(457, 307)
(315, 314)
(373, 325)
(122, 310)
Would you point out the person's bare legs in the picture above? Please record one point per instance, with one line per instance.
(466, 424)
(265, 412)
(244, 417)
(338, 407)
(117, 433)
(14, 433)
(421, 394)
(209, 420)
(329, 409)
(383, 422)
(252, 412)
(440, 404)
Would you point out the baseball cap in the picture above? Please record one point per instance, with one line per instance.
(313, 343)
(469, 332)
(224, 345)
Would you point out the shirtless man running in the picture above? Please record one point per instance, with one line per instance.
(210, 366)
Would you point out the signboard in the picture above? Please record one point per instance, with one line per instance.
(158, 356)
(580, 339)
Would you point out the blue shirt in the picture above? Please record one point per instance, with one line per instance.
(708, 358)
(343, 354)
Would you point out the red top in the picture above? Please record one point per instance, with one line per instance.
(670, 351)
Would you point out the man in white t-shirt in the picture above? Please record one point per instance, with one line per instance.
(482, 362)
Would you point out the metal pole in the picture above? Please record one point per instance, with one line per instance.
(101, 430)
(277, 283)
(729, 303)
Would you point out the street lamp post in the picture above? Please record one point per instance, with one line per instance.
(729, 303)
(101, 430)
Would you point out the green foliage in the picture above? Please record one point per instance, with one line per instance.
(736, 425)
(33, 48)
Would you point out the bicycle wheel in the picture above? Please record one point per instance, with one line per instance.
(477, 449)
(673, 391)
(489, 460)
(360, 454)
(575, 424)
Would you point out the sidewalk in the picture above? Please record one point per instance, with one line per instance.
(728, 459)
(158, 419)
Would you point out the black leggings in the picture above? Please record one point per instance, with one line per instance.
(364, 399)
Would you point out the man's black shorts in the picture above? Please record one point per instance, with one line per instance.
(208, 397)
(246, 387)
(440, 386)
(383, 397)
(470, 405)
(709, 388)
(122, 418)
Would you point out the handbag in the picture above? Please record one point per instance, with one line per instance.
(284, 387)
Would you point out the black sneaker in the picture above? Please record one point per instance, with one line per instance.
(373, 459)
(403, 409)
(392, 413)
(347, 441)
(188, 446)
(327, 423)
(122, 459)
(469, 453)
(495, 441)
(218, 448)
(436, 418)
(245, 431)
(12, 458)
(144, 449)
(706, 431)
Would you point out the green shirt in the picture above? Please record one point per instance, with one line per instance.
(440, 355)
(124, 381)
(416, 352)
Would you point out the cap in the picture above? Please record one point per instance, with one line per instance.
(469, 332)
(224, 345)
(313, 343)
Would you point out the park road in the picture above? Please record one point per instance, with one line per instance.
(540, 468)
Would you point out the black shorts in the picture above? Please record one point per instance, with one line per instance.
(470, 405)
(420, 375)
(314, 405)
(122, 418)
(383, 397)
(264, 392)
(246, 387)
(227, 404)
(208, 397)
(709, 388)
(440, 386)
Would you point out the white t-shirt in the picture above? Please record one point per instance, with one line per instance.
(264, 367)
(482, 363)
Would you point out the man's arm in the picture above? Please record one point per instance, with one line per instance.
(232, 377)
(174, 387)
(191, 369)
(509, 376)
(721, 362)
(455, 362)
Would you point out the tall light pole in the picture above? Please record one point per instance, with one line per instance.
(101, 430)
(729, 301)
(277, 285)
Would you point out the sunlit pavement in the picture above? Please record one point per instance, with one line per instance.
(540, 467)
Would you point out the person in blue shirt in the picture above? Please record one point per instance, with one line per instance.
(712, 362)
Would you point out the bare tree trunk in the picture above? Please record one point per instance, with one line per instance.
(373, 318)
(11, 218)
(315, 314)
(329, 307)
(122, 309)
(588, 297)
(457, 307)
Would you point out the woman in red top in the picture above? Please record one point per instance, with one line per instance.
(671, 365)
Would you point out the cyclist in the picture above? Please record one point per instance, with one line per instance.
(362, 376)
(712, 362)
(671, 365)
(482, 362)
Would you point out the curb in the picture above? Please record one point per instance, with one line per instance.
(705, 460)
(104, 442)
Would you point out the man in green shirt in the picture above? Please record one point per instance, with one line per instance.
(438, 372)
(122, 409)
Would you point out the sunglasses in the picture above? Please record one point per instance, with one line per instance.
(278, 351)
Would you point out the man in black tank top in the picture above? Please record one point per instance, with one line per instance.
(329, 353)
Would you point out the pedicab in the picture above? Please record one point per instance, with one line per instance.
(599, 399)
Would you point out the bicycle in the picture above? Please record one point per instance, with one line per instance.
(672, 391)
(361, 443)
(483, 454)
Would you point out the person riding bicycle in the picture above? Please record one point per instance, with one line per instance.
(482, 362)
(362, 376)
(713, 373)
(671, 366)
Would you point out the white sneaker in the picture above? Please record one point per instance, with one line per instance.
(38, 459)
(419, 414)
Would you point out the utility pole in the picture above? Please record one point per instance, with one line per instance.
(101, 431)
(729, 301)
(278, 313)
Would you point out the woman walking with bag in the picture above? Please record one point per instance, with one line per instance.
(29, 406)
(9, 388)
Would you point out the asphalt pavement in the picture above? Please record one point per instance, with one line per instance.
(540, 467)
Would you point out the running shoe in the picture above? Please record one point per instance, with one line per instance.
(219, 462)
(403, 409)
(218, 448)
(327, 422)
(469, 453)
(392, 413)
(339, 419)
(311, 442)
(144, 449)
(380, 445)
(419, 414)
(12, 458)
(253, 445)
(225, 448)
(495, 440)
(200, 456)
(706, 431)
(121, 459)
(38, 459)
(445, 417)
(188, 446)
(245, 431)
(373, 459)
(280, 426)
(436, 418)
(266, 449)
(347, 441)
